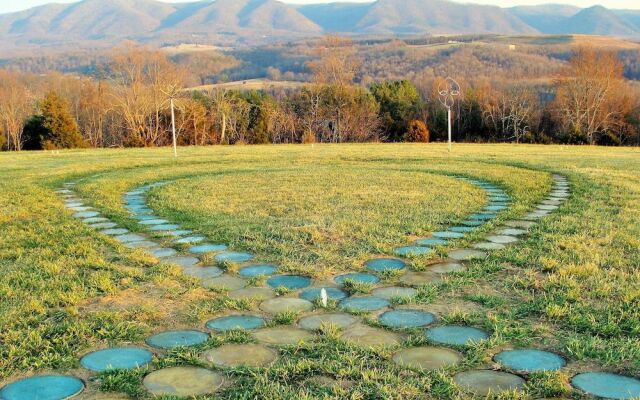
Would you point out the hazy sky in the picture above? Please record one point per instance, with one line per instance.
(16, 5)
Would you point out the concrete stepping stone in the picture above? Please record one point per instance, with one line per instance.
(173, 339)
(520, 224)
(448, 235)
(103, 225)
(183, 382)
(145, 217)
(225, 282)
(545, 207)
(114, 231)
(412, 251)
(466, 254)
(179, 232)
(551, 202)
(429, 242)
(252, 271)
(456, 335)
(501, 239)
(231, 256)
(86, 214)
(147, 244)
(235, 322)
(207, 248)
(530, 360)
(512, 232)
(483, 217)
(239, 355)
(419, 278)
(285, 304)
(282, 336)
(488, 246)
(163, 252)
(607, 385)
(486, 382)
(462, 229)
(494, 208)
(190, 240)
(363, 335)
(259, 294)
(447, 268)
(313, 294)
(79, 208)
(94, 220)
(116, 358)
(339, 320)
(165, 227)
(43, 387)
(385, 264)
(131, 237)
(358, 277)
(202, 272)
(406, 319)
(472, 223)
(291, 282)
(368, 303)
(154, 222)
(183, 261)
(393, 292)
(426, 358)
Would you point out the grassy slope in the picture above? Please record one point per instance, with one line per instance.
(574, 286)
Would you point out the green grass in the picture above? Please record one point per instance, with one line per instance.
(572, 286)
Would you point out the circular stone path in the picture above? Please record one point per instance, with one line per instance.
(183, 382)
(45, 387)
(237, 355)
(385, 264)
(607, 385)
(485, 382)
(404, 319)
(290, 282)
(116, 358)
(426, 358)
(530, 360)
(456, 335)
(363, 335)
(233, 322)
(173, 339)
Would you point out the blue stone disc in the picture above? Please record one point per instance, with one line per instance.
(530, 360)
(385, 264)
(462, 229)
(456, 335)
(291, 282)
(154, 222)
(233, 322)
(165, 227)
(173, 339)
(369, 303)
(116, 358)
(412, 251)
(406, 319)
(313, 294)
(608, 386)
(499, 207)
(472, 223)
(233, 257)
(86, 214)
(258, 270)
(483, 217)
(448, 235)
(431, 242)
(191, 240)
(45, 387)
(357, 277)
(207, 248)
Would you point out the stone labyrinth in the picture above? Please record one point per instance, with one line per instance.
(308, 300)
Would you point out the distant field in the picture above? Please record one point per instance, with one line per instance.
(572, 286)
(252, 84)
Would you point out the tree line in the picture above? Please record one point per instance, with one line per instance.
(589, 101)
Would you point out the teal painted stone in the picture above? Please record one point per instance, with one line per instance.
(530, 360)
(145, 244)
(495, 208)
(114, 232)
(163, 252)
(368, 303)
(412, 251)
(456, 335)
(94, 220)
(191, 240)
(462, 229)
(179, 232)
(607, 385)
(291, 282)
(165, 227)
(173, 339)
(128, 238)
(116, 358)
(145, 217)
(312, 294)
(448, 235)
(45, 387)
(103, 225)
(431, 242)
(234, 257)
(235, 322)
(357, 277)
(258, 270)
(207, 248)
(483, 216)
(404, 319)
(472, 223)
(154, 222)
(86, 214)
(385, 264)
(394, 292)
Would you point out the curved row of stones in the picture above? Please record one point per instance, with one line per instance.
(300, 294)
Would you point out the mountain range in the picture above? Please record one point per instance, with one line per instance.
(100, 22)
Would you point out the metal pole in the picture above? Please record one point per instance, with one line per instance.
(173, 129)
(449, 119)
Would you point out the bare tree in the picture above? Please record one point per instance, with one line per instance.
(16, 105)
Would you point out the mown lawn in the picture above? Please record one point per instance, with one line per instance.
(573, 286)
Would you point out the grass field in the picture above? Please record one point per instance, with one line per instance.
(572, 286)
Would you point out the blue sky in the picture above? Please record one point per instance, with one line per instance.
(16, 5)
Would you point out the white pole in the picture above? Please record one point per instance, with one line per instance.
(449, 119)
(173, 129)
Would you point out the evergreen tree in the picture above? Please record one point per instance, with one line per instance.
(400, 103)
(60, 127)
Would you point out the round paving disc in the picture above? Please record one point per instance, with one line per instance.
(191, 240)
(608, 386)
(466, 254)
(258, 270)
(412, 251)
(456, 335)
(406, 319)
(154, 222)
(86, 214)
(114, 232)
(183, 382)
(291, 282)
(485, 382)
(285, 304)
(393, 292)
(163, 252)
(207, 248)
(490, 246)
(520, 224)
(447, 268)
(233, 257)
(419, 278)
(131, 237)
(259, 294)
(369, 303)
(426, 358)
(512, 232)
(203, 272)
(315, 322)
(116, 358)
(448, 235)
(431, 242)
(104, 225)
(225, 282)
(384, 264)
(367, 336)
(282, 336)
(473, 223)
(501, 239)
(172, 339)
(45, 387)
(530, 360)
(312, 294)
(236, 355)
(165, 227)
(358, 277)
(183, 261)
(145, 244)
(462, 229)
(234, 322)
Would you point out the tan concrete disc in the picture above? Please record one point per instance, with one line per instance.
(236, 355)
(419, 278)
(501, 239)
(392, 292)
(466, 254)
(225, 282)
(488, 246)
(485, 382)
(367, 336)
(520, 224)
(282, 335)
(426, 358)
(315, 322)
(183, 381)
(285, 304)
(447, 268)
(260, 294)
